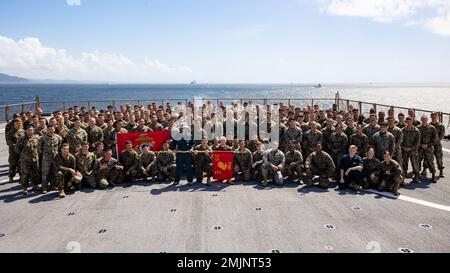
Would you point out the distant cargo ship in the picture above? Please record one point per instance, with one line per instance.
(193, 82)
(318, 86)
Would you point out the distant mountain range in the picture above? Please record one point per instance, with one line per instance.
(11, 79)
(4, 78)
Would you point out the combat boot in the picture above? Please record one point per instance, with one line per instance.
(11, 180)
(208, 181)
(300, 181)
(61, 193)
(309, 183)
(424, 172)
(433, 178)
(416, 178)
(441, 173)
(44, 190)
(264, 182)
(24, 190)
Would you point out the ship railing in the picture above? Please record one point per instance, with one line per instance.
(6, 111)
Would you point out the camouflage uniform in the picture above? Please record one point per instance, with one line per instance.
(292, 134)
(371, 172)
(75, 138)
(383, 143)
(85, 165)
(130, 127)
(293, 164)
(64, 178)
(398, 134)
(147, 162)
(202, 163)
(12, 137)
(326, 133)
(93, 136)
(310, 139)
(243, 163)
(99, 155)
(108, 138)
(63, 132)
(390, 176)
(350, 131)
(155, 126)
(411, 139)
(307, 126)
(338, 147)
(130, 162)
(48, 149)
(144, 129)
(320, 164)
(429, 136)
(258, 158)
(370, 131)
(27, 148)
(360, 141)
(166, 159)
(109, 176)
(438, 153)
(276, 159)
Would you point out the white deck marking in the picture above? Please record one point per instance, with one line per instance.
(446, 150)
(412, 200)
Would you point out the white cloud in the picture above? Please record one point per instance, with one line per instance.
(29, 58)
(73, 2)
(433, 15)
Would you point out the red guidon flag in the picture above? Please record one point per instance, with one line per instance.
(154, 139)
(223, 165)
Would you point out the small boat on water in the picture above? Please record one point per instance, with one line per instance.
(194, 82)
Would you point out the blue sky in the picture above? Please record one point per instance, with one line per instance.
(251, 41)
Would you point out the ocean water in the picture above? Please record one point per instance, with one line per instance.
(428, 97)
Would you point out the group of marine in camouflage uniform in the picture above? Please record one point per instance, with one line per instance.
(78, 147)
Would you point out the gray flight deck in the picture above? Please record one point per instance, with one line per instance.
(147, 217)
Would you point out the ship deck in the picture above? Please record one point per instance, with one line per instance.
(241, 218)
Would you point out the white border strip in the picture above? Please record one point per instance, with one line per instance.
(412, 200)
